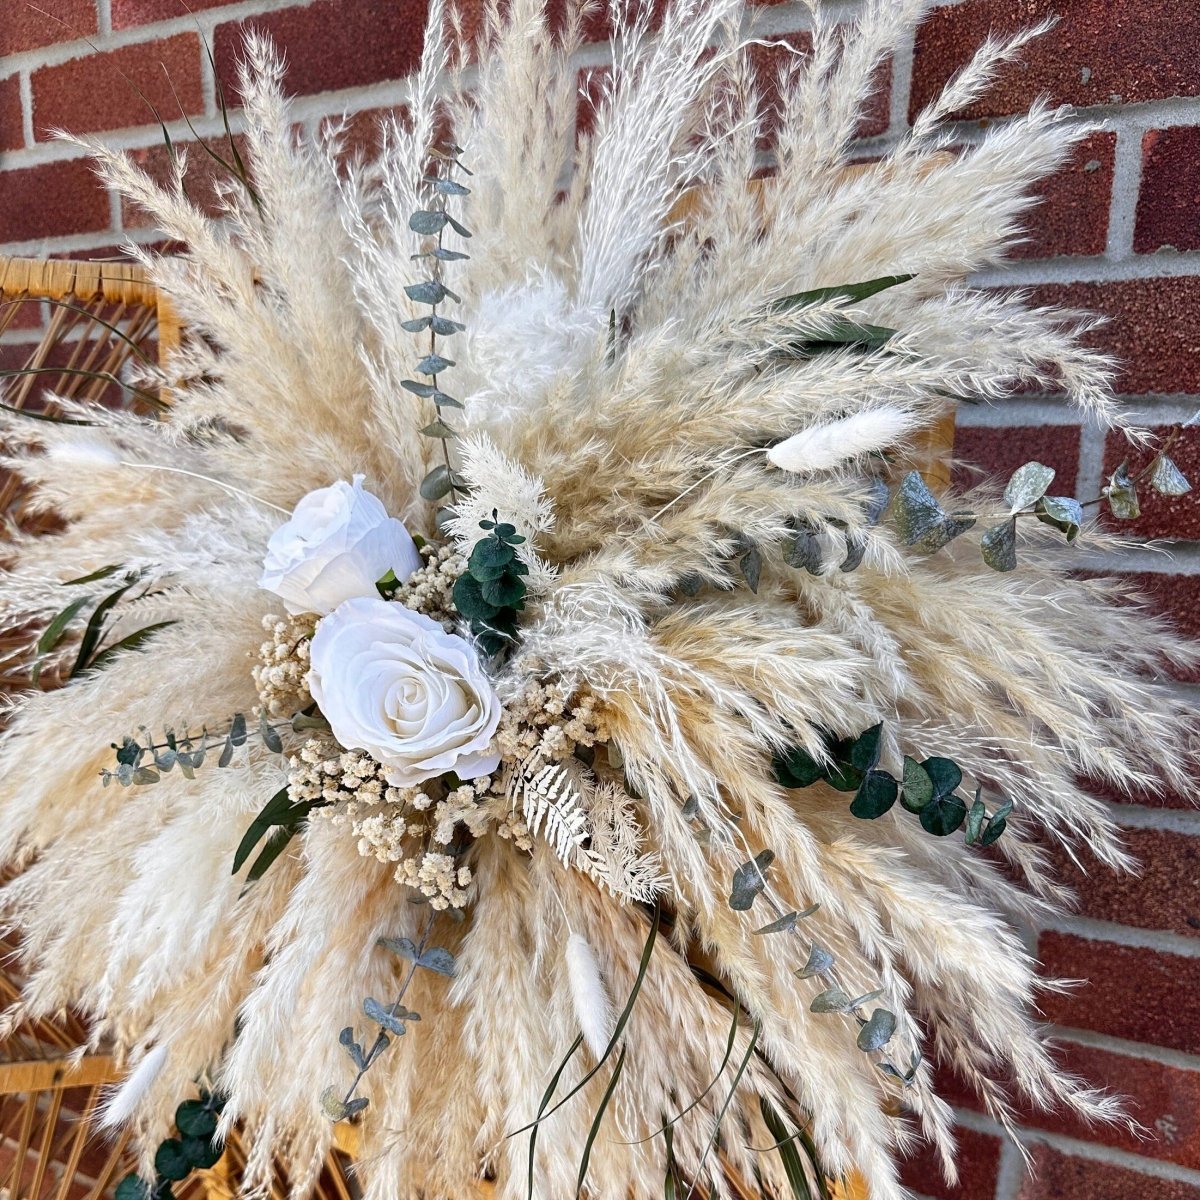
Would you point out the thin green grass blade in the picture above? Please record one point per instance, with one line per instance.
(793, 1168)
(546, 1096)
(596, 1121)
(130, 642)
(725, 1106)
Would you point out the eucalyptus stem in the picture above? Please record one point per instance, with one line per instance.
(382, 1041)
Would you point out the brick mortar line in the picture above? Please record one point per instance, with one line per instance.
(1091, 269)
(1011, 1171)
(1111, 933)
(1089, 470)
(1077, 1148)
(104, 17)
(1169, 820)
(1126, 190)
(1147, 409)
(1159, 557)
(1164, 1055)
(57, 53)
(28, 136)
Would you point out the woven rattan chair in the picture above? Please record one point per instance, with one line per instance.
(50, 1149)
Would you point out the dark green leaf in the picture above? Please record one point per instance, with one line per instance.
(1027, 484)
(1063, 512)
(237, 729)
(102, 573)
(132, 1187)
(915, 510)
(130, 642)
(195, 1119)
(171, 1160)
(803, 552)
(796, 768)
(274, 812)
(943, 815)
(749, 880)
(944, 773)
(877, 1032)
(856, 550)
(1167, 479)
(793, 1168)
(997, 824)
(469, 600)
(850, 292)
(202, 1152)
(594, 1131)
(95, 627)
(505, 592)
(54, 633)
(864, 753)
(999, 546)
(490, 558)
(750, 565)
(875, 797)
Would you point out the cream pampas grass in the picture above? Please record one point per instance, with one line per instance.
(630, 387)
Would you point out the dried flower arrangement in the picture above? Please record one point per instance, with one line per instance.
(621, 731)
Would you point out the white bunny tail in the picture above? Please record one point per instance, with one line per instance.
(123, 1102)
(827, 444)
(588, 995)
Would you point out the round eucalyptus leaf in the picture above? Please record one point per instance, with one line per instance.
(133, 1187)
(943, 815)
(195, 1119)
(202, 1152)
(877, 795)
(171, 1160)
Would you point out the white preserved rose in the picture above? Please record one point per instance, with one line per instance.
(393, 683)
(337, 544)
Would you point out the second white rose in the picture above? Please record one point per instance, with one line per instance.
(393, 683)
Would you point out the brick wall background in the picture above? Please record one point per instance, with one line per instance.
(1119, 233)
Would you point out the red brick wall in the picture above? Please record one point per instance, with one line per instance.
(1119, 233)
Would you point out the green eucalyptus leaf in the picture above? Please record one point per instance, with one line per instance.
(383, 1017)
(193, 1118)
(402, 947)
(803, 551)
(856, 551)
(506, 592)
(832, 1000)
(875, 797)
(788, 921)
(202, 1152)
(865, 751)
(133, 1187)
(975, 818)
(997, 824)
(999, 546)
(428, 291)
(269, 735)
(1062, 512)
(943, 815)
(918, 786)
(171, 1160)
(820, 962)
(877, 1032)
(916, 512)
(943, 534)
(490, 558)
(1122, 495)
(439, 429)
(1027, 484)
(469, 600)
(1167, 479)
(433, 364)
(426, 221)
(796, 768)
(749, 880)
(944, 773)
(750, 565)
(436, 484)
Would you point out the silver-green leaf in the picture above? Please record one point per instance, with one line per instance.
(999, 546)
(833, 1000)
(749, 880)
(1122, 495)
(878, 1030)
(1028, 484)
(819, 962)
(1167, 479)
(915, 510)
(1064, 513)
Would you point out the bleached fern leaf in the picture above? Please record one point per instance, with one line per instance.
(552, 806)
(614, 858)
